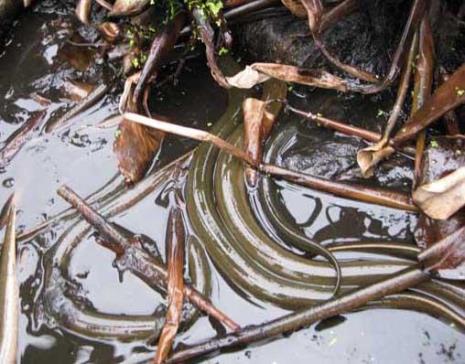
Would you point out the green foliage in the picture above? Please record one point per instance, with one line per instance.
(210, 8)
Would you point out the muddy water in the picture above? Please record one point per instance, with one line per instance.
(81, 156)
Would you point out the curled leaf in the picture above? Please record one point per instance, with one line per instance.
(368, 158)
(110, 31)
(83, 8)
(135, 147)
(442, 156)
(254, 113)
(128, 7)
(259, 118)
(442, 198)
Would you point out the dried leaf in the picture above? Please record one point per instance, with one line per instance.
(444, 197)
(135, 147)
(447, 256)
(314, 10)
(254, 113)
(368, 158)
(110, 31)
(77, 90)
(261, 72)
(79, 58)
(259, 118)
(247, 78)
(83, 8)
(441, 157)
(295, 7)
(128, 7)
(175, 258)
(309, 77)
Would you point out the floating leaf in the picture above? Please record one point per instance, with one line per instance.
(442, 198)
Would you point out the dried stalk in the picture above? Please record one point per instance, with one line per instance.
(368, 158)
(397, 283)
(366, 194)
(423, 85)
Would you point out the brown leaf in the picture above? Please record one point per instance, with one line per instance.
(128, 7)
(369, 157)
(441, 157)
(309, 77)
(110, 31)
(135, 147)
(175, 296)
(447, 256)
(259, 118)
(77, 90)
(79, 58)
(295, 7)
(254, 114)
(261, 72)
(442, 198)
(83, 8)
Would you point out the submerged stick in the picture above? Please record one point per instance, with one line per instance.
(9, 291)
(396, 283)
(87, 102)
(366, 194)
(447, 97)
(119, 243)
(15, 141)
(295, 321)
